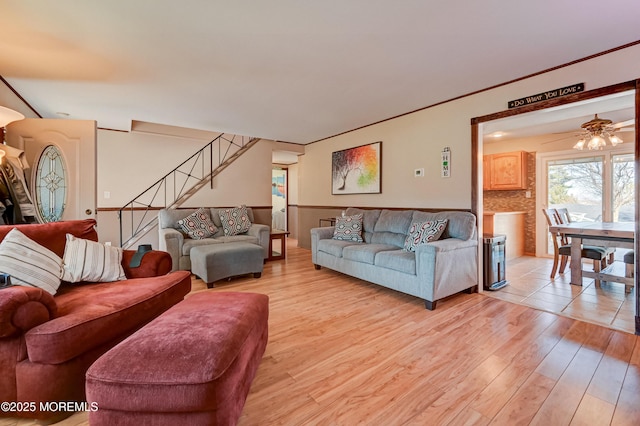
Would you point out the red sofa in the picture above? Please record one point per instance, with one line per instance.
(47, 343)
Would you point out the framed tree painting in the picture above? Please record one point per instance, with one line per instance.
(357, 170)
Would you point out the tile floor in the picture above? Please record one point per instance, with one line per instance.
(530, 285)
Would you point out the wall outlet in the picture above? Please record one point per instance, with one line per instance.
(527, 194)
(107, 194)
(107, 243)
(418, 173)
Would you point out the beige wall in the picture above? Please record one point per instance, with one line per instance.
(128, 163)
(415, 141)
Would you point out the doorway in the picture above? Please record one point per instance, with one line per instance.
(481, 126)
(279, 198)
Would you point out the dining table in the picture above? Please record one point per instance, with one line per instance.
(606, 234)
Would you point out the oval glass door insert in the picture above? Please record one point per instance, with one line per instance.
(50, 185)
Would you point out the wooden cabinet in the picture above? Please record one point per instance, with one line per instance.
(486, 172)
(505, 171)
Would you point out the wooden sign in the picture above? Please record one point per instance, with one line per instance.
(545, 96)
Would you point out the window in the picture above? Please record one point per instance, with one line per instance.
(50, 185)
(593, 185)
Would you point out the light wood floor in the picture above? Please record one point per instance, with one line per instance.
(344, 352)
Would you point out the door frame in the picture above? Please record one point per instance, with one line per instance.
(476, 164)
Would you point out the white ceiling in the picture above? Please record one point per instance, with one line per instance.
(289, 70)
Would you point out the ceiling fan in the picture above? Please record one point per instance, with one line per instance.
(596, 131)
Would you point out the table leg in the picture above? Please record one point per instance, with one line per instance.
(576, 261)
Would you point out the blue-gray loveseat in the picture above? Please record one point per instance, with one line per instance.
(434, 271)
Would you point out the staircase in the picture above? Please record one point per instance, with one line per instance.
(138, 216)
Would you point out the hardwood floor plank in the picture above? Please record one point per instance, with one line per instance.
(456, 398)
(570, 388)
(609, 376)
(627, 410)
(523, 406)
(593, 411)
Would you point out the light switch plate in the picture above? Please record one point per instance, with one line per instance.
(418, 172)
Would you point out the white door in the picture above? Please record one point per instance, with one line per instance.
(76, 140)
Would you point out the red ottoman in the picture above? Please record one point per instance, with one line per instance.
(193, 365)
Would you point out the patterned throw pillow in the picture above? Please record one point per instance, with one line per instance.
(348, 228)
(235, 221)
(86, 260)
(424, 232)
(198, 225)
(29, 263)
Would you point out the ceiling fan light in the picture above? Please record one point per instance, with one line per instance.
(615, 140)
(596, 142)
(580, 144)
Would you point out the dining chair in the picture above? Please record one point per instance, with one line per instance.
(562, 248)
(565, 217)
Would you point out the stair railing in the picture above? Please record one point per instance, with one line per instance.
(177, 186)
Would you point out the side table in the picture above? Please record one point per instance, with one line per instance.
(331, 220)
(281, 236)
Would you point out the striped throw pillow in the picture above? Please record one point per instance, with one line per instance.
(86, 260)
(29, 263)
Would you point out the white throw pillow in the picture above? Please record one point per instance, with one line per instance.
(86, 260)
(30, 263)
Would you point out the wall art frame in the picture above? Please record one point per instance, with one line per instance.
(357, 170)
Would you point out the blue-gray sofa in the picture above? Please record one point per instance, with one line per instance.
(434, 271)
(174, 241)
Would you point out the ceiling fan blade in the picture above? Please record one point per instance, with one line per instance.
(624, 123)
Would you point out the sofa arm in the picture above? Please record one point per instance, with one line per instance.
(154, 263)
(23, 307)
(447, 266)
(171, 241)
(262, 232)
(318, 234)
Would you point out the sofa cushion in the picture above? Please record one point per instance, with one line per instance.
(424, 232)
(30, 263)
(243, 238)
(235, 220)
(93, 314)
(348, 228)
(334, 247)
(398, 260)
(198, 225)
(461, 225)
(189, 244)
(392, 227)
(91, 261)
(365, 253)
